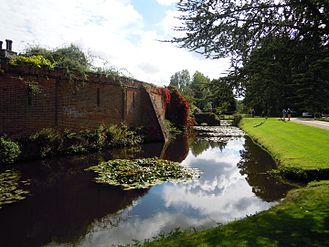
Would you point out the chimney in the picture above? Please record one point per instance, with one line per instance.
(1, 45)
(9, 44)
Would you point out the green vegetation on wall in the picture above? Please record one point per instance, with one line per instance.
(75, 63)
(36, 60)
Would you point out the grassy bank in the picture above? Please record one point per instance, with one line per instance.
(301, 220)
(301, 151)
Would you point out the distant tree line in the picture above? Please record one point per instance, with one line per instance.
(204, 94)
(279, 49)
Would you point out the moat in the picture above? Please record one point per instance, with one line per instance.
(67, 208)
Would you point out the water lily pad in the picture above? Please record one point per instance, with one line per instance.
(141, 173)
(12, 189)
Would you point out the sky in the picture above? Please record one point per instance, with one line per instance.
(125, 34)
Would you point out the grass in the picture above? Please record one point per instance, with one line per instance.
(301, 220)
(297, 148)
(325, 119)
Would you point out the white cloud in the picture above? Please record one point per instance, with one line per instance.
(114, 30)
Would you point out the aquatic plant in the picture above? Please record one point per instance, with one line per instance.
(141, 173)
(9, 151)
(11, 188)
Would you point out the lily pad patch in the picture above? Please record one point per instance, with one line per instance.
(141, 173)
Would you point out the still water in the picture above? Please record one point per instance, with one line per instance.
(66, 208)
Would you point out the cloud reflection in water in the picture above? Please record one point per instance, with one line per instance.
(221, 194)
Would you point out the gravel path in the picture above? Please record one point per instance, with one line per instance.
(312, 122)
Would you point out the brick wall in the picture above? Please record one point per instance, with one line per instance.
(61, 105)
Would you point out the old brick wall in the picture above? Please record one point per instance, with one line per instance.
(61, 105)
(21, 112)
(90, 105)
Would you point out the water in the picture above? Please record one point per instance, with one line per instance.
(66, 208)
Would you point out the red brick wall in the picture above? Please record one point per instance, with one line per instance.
(21, 113)
(60, 105)
(90, 106)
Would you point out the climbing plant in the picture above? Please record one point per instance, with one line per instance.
(178, 109)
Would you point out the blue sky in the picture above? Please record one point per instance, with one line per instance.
(152, 11)
(120, 33)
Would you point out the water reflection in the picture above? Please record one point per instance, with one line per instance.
(68, 208)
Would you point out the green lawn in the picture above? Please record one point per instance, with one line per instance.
(301, 220)
(295, 147)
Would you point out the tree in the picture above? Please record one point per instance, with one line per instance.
(277, 76)
(181, 80)
(200, 90)
(222, 96)
(279, 49)
(217, 28)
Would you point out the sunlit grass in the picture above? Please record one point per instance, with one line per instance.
(293, 145)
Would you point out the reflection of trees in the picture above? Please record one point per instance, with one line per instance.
(199, 145)
(255, 164)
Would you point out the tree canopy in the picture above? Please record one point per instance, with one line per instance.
(203, 93)
(279, 49)
(217, 28)
(181, 80)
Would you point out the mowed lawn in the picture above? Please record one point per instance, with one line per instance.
(292, 145)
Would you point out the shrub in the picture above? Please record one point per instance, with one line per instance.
(178, 109)
(73, 142)
(47, 141)
(51, 142)
(236, 119)
(35, 60)
(9, 151)
(120, 136)
(171, 130)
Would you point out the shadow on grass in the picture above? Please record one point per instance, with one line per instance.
(270, 230)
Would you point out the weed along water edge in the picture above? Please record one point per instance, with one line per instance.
(66, 207)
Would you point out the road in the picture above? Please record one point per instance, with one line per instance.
(312, 122)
